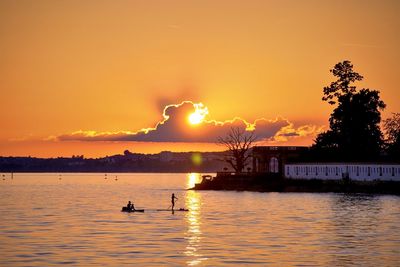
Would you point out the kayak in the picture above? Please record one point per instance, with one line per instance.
(125, 209)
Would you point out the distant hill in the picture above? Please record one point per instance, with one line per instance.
(165, 161)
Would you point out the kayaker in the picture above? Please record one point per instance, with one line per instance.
(173, 197)
(130, 206)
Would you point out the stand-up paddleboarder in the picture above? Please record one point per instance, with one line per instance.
(173, 197)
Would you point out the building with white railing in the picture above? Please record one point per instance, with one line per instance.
(354, 171)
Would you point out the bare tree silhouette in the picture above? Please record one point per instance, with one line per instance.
(238, 142)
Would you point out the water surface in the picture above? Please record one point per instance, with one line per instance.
(75, 219)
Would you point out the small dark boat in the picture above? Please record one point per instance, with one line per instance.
(125, 209)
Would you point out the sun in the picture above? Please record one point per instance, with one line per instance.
(198, 115)
(195, 118)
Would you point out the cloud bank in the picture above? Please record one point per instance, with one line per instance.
(175, 127)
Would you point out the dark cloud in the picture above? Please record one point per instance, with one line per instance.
(187, 91)
(175, 127)
(290, 134)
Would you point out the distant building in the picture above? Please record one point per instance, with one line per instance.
(353, 171)
(279, 160)
(271, 159)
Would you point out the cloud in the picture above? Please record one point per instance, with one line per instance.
(290, 131)
(175, 127)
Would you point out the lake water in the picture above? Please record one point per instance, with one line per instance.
(75, 219)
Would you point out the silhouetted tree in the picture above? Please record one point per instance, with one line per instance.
(343, 85)
(238, 143)
(392, 130)
(354, 132)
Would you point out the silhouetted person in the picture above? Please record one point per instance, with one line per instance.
(173, 197)
(130, 206)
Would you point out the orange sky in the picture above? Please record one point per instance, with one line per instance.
(112, 66)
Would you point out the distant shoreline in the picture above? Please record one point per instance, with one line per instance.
(165, 162)
(104, 172)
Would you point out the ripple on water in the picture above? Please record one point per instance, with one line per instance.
(221, 228)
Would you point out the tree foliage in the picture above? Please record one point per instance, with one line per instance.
(392, 131)
(354, 132)
(343, 85)
(238, 143)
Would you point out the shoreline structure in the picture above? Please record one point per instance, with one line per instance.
(277, 169)
(276, 183)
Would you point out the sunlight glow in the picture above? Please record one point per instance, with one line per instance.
(193, 234)
(198, 115)
(193, 178)
(195, 118)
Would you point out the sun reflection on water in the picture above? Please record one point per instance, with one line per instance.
(193, 233)
(193, 178)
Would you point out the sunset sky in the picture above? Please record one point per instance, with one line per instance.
(98, 77)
